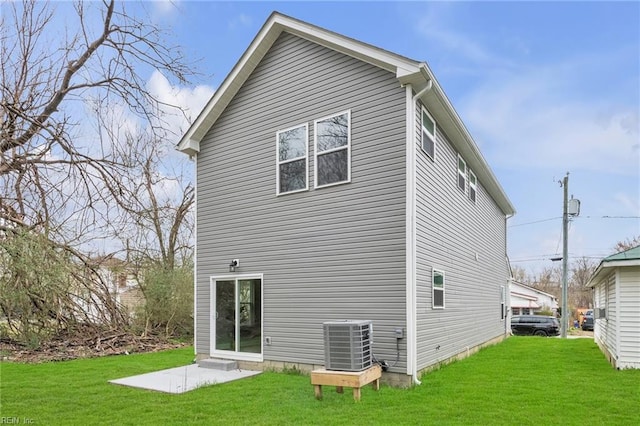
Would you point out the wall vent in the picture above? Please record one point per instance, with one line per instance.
(347, 345)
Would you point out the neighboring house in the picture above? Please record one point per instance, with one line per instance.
(121, 283)
(526, 300)
(616, 295)
(336, 181)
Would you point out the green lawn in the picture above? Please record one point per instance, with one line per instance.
(521, 381)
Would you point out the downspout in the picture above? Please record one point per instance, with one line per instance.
(195, 255)
(411, 250)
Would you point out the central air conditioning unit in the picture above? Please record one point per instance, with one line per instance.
(347, 345)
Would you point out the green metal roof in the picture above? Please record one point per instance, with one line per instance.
(630, 254)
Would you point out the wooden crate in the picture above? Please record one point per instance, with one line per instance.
(350, 379)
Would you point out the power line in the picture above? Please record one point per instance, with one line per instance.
(536, 221)
(608, 217)
(578, 217)
(535, 258)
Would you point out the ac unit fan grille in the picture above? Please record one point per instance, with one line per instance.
(347, 345)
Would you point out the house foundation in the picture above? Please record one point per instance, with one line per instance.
(389, 378)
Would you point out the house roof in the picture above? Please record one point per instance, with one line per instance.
(524, 303)
(629, 257)
(518, 283)
(407, 71)
(630, 254)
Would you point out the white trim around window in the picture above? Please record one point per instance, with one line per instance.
(428, 133)
(437, 289)
(292, 162)
(462, 174)
(473, 186)
(332, 150)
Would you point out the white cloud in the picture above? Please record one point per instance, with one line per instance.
(164, 8)
(443, 27)
(630, 204)
(190, 100)
(562, 114)
(240, 21)
(525, 122)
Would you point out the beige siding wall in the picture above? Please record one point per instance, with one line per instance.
(629, 325)
(606, 328)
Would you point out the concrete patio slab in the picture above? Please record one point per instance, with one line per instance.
(182, 379)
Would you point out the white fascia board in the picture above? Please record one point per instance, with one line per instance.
(523, 296)
(231, 84)
(263, 41)
(595, 277)
(621, 263)
(605, 267)
(351, 47)
(189, 146)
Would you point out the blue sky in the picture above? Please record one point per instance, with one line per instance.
(545, 88)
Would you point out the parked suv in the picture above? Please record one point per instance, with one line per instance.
(587, 323)
(536, 325)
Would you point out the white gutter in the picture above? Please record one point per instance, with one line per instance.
(195, 255)
(410, 238)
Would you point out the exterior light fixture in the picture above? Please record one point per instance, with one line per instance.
(235, 264)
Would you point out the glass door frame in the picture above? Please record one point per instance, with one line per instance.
(241, 356)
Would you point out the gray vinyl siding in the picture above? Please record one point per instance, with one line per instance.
(450, 231)
(326, 254)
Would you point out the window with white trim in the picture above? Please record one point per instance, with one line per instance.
(437, 284)
(333, 150)
(428, 134)
(462, 174)
(473, 186)
(293, 167)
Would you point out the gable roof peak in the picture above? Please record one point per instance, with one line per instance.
(407, 71)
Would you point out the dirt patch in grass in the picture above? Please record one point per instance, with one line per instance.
(580, 332)
(84, 344)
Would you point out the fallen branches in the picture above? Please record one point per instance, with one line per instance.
(84, 343)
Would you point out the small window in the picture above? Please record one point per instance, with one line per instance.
(503, 308)
(473, 184)
(333, 150)
(438, 289)
(292, 159)
(462, 174)
(428, 134)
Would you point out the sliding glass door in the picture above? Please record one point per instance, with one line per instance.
(237, 316)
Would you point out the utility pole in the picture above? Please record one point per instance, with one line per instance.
(569, 208)
(565, 254)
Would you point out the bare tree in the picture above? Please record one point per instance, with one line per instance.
(627, 244)
(155, 199)
(59, 182)
(549, 280)
(581, 296)
(520, 275)
(43, 158)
